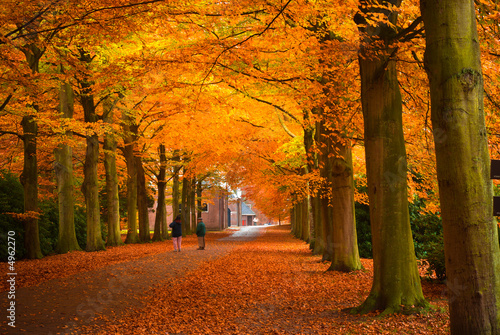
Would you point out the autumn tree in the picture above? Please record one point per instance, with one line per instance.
(29, 176)
(90, 186)
(63, 169)
(110, 165)
(453, 64)
(160, 228)
(396, 282)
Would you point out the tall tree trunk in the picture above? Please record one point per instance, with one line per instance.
(453, 63)
(305, 221)
(63, 168)
(160, 231)
(112, 194)
(345, 255)
(312, 165)
(320, 244)
(29, 176)
(142, 202)
(129, 153)
(396, 281)
(326, 172)
(192, 201)
(29, 180)
(175, 184)
(90, 185)
(199, 193)
(90, 189)
(293, 220)
(186, 205)
(298, 219)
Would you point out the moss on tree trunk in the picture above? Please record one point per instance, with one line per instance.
(129, 139)
(113, 199)
(29, 180)
(160, 230)
(345, 256)
(90, 185)
(63, 168)
(396, 281)
(29, 176)
(472, 256)
(142, 202)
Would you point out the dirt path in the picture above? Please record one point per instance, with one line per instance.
(58, 305)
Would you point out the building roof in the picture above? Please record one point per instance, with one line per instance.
(245, 210)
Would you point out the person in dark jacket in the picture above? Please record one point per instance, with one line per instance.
(200, 232)
(176, 233)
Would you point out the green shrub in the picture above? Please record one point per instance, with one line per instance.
(363, 230)
(435, 259)
(426, 228)
(363, 227)
(48, 227)
(11, 201)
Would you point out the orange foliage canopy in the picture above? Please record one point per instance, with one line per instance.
(231, 85)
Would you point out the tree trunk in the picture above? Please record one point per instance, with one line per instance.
(29, 179)
(90, 185)
(142, 202)
(396, 281)
(345, 255)
(113, 199)
(326, 172)
(175, 184)
(320, 244)
(471, 248)
(298, 219)
(312, 165)
(63, 168)
(186, 205)
(90, 189)
(29, 176)
(128, 152)
(293, 220)
(305, 221)
(160, 231)
(199, 193)
(192, 201)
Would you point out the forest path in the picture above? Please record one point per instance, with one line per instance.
(58, 305)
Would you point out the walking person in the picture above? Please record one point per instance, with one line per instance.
(176, 226)
(200, 232)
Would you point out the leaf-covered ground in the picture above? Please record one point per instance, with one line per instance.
(271, 285)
